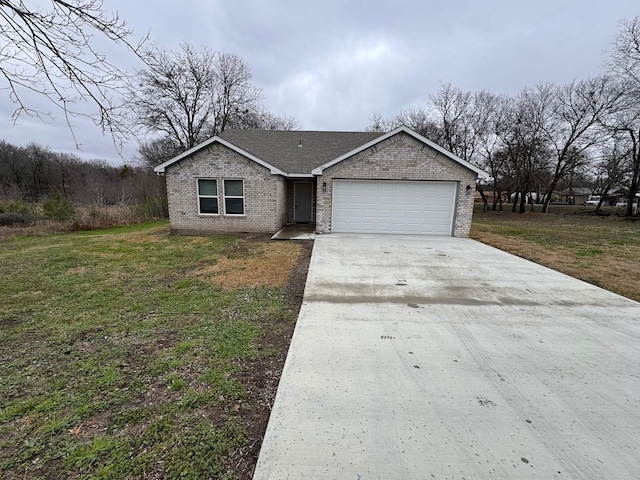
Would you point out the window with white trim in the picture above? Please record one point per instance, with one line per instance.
(233, 197)
(207, 196)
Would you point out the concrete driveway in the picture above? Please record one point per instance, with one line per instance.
(442, 358)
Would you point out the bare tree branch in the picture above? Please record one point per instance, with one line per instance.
(52, 52)
(625, 58)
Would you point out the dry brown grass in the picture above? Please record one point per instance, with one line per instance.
(92, 218)
(601, 251)
(85, 218)
(254, 265)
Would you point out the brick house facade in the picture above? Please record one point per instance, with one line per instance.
(258, 181)
(264, 193)
(400, 157)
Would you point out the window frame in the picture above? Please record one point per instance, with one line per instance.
(216, 196)
(225, 196)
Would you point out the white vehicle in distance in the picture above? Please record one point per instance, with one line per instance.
(623, 202)
(593, 200)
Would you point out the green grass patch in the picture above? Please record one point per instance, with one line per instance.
(117, 361)
(589, 252)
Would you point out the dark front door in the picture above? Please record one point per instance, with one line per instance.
(303, 202)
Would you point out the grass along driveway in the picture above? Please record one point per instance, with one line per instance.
(604, 251)
(131, 353)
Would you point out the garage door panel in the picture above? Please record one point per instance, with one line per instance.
(378, 206)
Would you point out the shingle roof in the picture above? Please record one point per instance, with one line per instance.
(281, 148)
(307, 153)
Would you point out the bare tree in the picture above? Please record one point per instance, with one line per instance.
(53, 52)
(576, 111)
(378, 124)
(490, 116)
(154, 152)
(609, 169)
(453, 110)
(13, 170)
(190, 95)
(625, 127)
(234, 96)
(625, 63)
(174, 96)
(522, 135)
(421, 121)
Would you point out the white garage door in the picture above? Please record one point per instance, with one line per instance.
(386, 206)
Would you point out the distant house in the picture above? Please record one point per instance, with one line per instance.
(361, 182)
(575, 195)
(492, 196)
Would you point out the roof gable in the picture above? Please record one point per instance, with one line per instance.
(163, 166)
(481, 173)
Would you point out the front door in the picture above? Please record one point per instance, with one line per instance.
(303, 202)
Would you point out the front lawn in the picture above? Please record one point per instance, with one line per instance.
(602, 250)
(132, 353)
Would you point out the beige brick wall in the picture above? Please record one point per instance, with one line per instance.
(400, 157)
(264, 194)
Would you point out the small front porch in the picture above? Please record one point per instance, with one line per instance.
(296, 231)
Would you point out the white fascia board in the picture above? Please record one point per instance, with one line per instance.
(481, 173)
(162, 167)
(299, 175)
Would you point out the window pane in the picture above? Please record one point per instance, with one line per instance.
(233, 188)
(208, 205)
(207, 187)
(234, 206)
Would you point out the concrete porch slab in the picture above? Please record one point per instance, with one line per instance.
(296, 232)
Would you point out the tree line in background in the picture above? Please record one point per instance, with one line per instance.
(34, 173)
(548, 137)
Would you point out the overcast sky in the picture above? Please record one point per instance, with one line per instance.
(334, 64)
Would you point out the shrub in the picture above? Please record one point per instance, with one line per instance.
(58, 207)
(18, 206)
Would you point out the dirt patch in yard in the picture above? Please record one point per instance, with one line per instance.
(253, 265)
